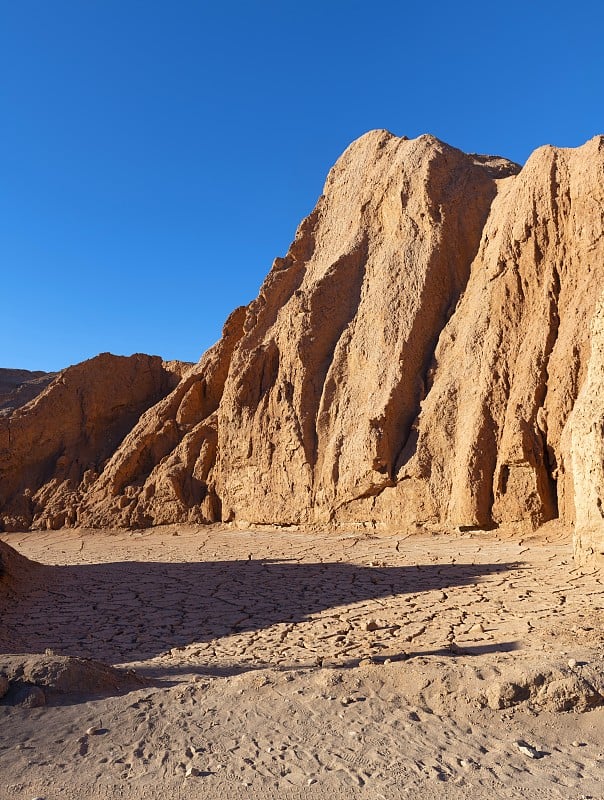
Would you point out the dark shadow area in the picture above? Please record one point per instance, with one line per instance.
(169, 675)
(131, 611)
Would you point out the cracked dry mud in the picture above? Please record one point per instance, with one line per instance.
(281, 663)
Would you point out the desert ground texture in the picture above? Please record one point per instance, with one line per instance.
(288, 663)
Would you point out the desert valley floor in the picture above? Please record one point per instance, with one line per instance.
(282, 663)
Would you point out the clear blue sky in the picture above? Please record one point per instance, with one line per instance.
(156, 156)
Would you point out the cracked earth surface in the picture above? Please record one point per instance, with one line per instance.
(284, 663)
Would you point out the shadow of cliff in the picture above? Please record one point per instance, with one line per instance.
(133, 611)
(172, 674)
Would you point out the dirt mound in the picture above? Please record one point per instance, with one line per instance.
(38, 679)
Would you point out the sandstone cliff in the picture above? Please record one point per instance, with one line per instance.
(428, 352)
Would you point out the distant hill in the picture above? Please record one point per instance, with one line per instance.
(19, 386)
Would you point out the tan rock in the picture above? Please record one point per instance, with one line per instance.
(427, 353)
(327, 381)
(586, 435)
(509, 364)
(165, 464)
(69, 430)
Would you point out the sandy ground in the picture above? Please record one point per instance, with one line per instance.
(285, 664)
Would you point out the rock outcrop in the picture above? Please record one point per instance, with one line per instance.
(54, 447)
(428, 352)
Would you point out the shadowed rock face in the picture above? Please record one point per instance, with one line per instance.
(19, 386)
(426, 353)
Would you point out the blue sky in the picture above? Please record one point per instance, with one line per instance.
(156, 156)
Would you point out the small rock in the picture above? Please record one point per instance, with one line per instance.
(310, 781)
(371, 625)
(3, 685)
(192, 772)
(93, 731)
(572, 663)
(527, 749)
(578, 744)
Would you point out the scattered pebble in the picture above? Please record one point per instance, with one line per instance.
(93, 731)
(572, 663)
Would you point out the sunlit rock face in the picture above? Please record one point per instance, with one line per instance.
(427, 353)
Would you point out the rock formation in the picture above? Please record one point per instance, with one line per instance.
(52, 448)
(428, 352)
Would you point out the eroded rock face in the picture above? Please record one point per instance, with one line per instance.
(163, 470)
(427, 353)
(585, 443)
(53, 448)
(328, 378)
(494, 430)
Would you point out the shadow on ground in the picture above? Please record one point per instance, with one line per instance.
(133, 611)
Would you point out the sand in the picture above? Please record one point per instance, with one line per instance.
(281, 663)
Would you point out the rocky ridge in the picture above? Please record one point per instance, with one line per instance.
(428, 353)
